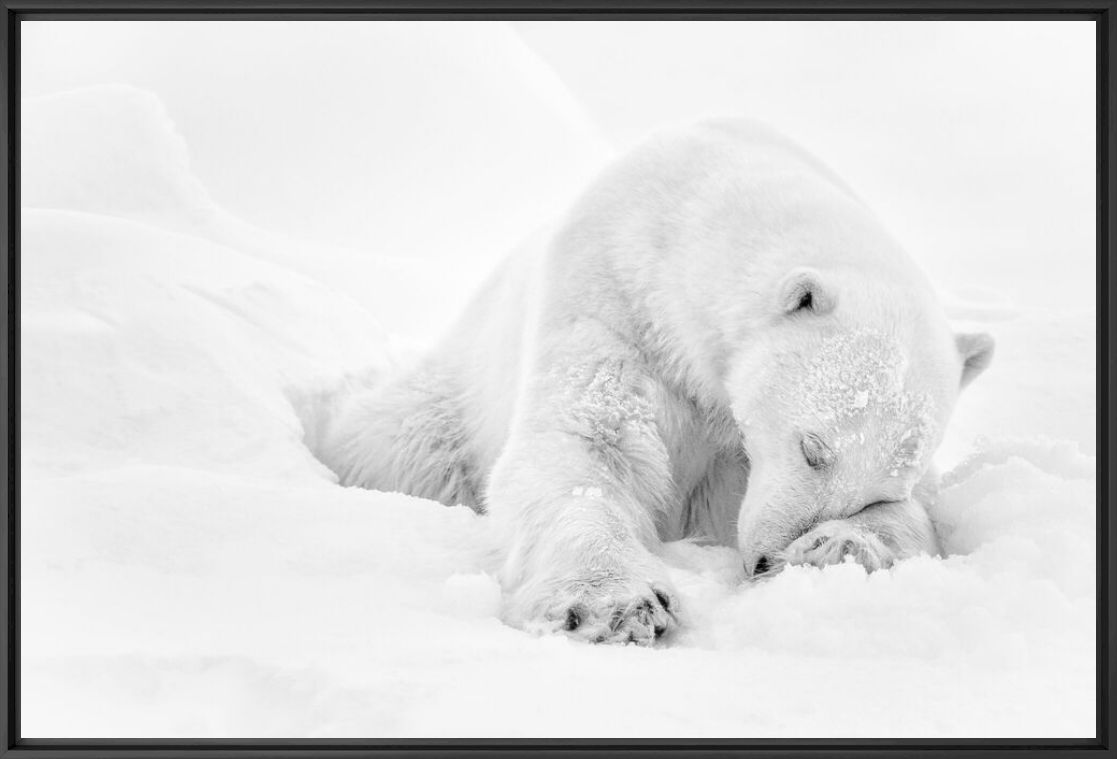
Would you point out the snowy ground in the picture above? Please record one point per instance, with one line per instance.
(189, 569)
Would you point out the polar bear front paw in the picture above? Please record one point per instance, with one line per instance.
(639, 617)
(831, 542)
(638, 613)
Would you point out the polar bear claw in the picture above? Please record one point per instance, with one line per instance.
(641, 617)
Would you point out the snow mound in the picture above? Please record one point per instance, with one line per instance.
(113, 150)
(303, 131)
(146, 345)
(189, 569)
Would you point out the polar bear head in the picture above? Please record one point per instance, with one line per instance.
(842, 399)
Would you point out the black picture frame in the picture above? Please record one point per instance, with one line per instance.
(1102, 12)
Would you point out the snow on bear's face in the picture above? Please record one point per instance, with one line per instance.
(841, 405)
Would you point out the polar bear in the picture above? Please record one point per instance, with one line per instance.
(719, 341)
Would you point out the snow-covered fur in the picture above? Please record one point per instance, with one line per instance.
(719, 341)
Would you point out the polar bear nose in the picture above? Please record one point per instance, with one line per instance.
(762, 565)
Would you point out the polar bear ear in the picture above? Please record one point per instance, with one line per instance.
(976, 350)
(802, 291)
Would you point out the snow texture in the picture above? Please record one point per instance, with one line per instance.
(189, 569)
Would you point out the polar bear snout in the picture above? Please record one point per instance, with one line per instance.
(762, 566)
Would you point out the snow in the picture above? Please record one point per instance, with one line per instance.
(190, 570)
(265, 122)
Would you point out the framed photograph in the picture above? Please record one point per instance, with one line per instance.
(399, 377)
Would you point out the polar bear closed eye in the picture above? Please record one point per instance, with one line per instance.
(719, 340)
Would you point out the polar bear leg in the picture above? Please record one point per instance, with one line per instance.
(576, 565)
(577, 490)
(408, 435)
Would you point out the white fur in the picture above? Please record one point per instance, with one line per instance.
(648, 374)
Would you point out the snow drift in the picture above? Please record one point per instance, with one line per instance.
(302, 131)
(189, 569)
